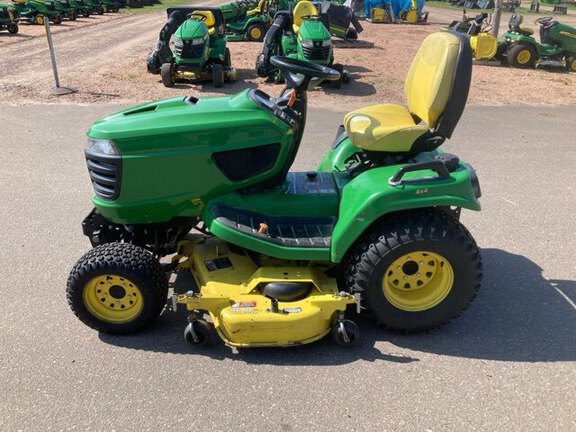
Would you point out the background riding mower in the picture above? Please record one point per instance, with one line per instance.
(200, 51)
(36, 11)
(278, 255)
(557, 45)
(77, 8)
(8, 18)
(248, 20)
(299, 35)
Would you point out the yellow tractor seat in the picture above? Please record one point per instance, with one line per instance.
(208, 18)
(436, 90)
(303, 8)
(388, 126)
(257, 9)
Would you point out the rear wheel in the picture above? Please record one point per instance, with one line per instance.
(101, 10)
(168, 75)
(255, 32)
(72, 15)
(12, 28)
(522, 56)
(217, 75)
(117, 288)
(85, 13)
(415, 271)
(57, 19)
(571, 63)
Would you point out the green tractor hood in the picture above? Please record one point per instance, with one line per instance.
(191, 29)
(313, 30)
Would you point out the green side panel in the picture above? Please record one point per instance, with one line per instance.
(564, 34)
(334, 158)
(217, 47)
(167, 169)
(368, 197)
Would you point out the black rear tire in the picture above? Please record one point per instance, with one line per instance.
(167, 74)
(255, 32)
(571, 63)
(522, 56)
(217, 75)
(415, 270)
(57, 19)
(130, 302)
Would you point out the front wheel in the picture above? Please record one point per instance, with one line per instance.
(415, 271)
(12, 28)
(217, 75)
(255, 32)
(571, 63)
(522, 56)
(167, 74)
(57, 19)
(336, 84)
(39, 19)
(117, 288)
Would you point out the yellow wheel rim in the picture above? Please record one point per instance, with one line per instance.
(113, 298)
(39, 20)
(524, 56)
(255, 33)
(418, 281)
(573, 65)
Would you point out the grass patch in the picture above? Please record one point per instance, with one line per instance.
(162, 5)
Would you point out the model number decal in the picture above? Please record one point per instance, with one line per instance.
(421, 191)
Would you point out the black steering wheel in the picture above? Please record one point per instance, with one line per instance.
(544, 21)
(308, 69)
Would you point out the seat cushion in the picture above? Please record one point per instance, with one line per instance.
(387, 128)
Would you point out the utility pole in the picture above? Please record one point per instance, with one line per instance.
(496, 17)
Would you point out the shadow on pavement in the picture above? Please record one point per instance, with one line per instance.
(518, 316)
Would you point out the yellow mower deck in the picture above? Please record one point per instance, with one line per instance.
(229, 290)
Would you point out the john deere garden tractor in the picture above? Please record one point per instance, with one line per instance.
(247, 20)
(299, 35)
(77, 7)
(8, 18)
(200, 51)
(278, 256)
(557, 45)
(36, 11)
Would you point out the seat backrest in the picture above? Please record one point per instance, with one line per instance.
(438, 81)
(257, 9)
(208, 17)
(303, 8)
(515, 22)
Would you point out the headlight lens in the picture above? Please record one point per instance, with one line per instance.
(307, 43)
(327, 42)
(178, 42)
(101, 147)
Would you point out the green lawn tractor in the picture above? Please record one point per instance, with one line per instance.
(278, 256)
(36, 11)
(112, 6)
(64, 8)
(300, 35)
(77, 8)
(557, 47)
(8, 18)
(200, 51)
(248, 20)
(93, 5)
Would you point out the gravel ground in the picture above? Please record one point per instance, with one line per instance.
(106, 62)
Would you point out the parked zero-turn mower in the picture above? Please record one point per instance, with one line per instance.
(36, 11)
(299, 35)
(8, 18)
(200, 51)
(277, 255)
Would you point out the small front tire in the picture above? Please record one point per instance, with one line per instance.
(336, 84)
(255, 32)
(167, 74)
(12, 28)
(117, 288)
(571, 63)
(345, 333)
(197, 333)
(217, 75)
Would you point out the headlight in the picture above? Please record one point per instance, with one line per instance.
(197, 41)
(101, 147)
(327, 42)
(307, 43)
(178, 42)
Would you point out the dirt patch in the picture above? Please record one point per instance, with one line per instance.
(104, 58)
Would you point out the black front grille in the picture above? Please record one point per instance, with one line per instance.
(3, 12)
(317, 52)
(188, 51)
(104, 172)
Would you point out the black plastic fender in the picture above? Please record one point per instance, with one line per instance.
(272, 40)
(162, 53)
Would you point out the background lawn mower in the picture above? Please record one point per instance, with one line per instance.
(557, 47)
(299, 35)
(8, 18)
(200, 51)
(36, 11)
(278, 255)
(248, 19)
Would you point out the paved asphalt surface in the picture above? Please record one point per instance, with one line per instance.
(508, 364)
